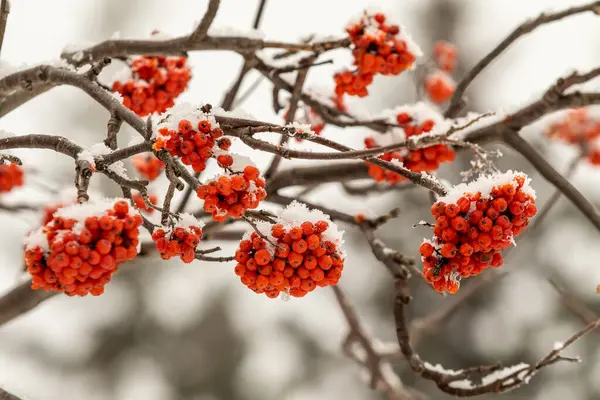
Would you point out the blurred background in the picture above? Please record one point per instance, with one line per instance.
(167, 331)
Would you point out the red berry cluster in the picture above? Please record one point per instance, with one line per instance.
(303, 260)
(78, 257)
(178, 241)
(141, 205)
(579, 128)
(155, 84)
(444, 55)
(11, 176)
(427, 159)
(233, 194)
(470, 233)
(379, 48)
(148, 165)
(439, 85)
(194, 146)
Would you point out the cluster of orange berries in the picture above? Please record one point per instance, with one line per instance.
(178, 241)
(11, 176)
(231, 195)
(470, 233)
(578, 128)
(193, 146)
(156, 83)
(302, 260)
(379, 48)
(79, 257)
(148, 165)
(426, 159)
(439, 84)
(141, 205)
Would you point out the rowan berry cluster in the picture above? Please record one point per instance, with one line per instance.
(190, 134)
(438, 83)
(155, 83)
(378, 48)
(148, 165)
(179, 240)
(141, 205)
(413, 122)
(307, 255)
(473, 225)
(11, 176)
(80, 249)
(233, 193)
(579, 127)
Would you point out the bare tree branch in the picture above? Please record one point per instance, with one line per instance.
(202, 29)
(457, 102)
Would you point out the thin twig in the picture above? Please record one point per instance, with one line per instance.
(202, 30)
(4, 11)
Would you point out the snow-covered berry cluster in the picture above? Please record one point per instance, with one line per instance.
(438, 82)
(232, 193)
(378, 48)
(80, 249)
(148, 165)
(303, 251)
(155, 83)
(474, 223)
(580, 127)
(414, 120)
(11, 176)
(189, 133)
(180, 239)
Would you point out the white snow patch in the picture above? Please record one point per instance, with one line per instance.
(440, 369)
(462, 384)
(521, 368)
(36, 239)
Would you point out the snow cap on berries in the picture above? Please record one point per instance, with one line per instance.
(485, 184)
(193, 113)
(296, 213)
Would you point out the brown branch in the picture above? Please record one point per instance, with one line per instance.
(574, 304)
(4, 11)
(291, 114)
(112, 129)
(457, 102)
(202, 30)
(4, 395)
(166, 209)
(517, 143)
(373, 361)
(20, 300)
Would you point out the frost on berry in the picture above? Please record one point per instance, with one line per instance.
(180, 239)
(439, 86)
(307, 254)
(79, 250)
(378, 47)
(11, 176)
(188, 132)
(140, 204)
(148, 165)
(155, 82)
(414, 120)
(307, 116)
(474, 223)
(444, 55)
(232, 193)
(580, 127)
